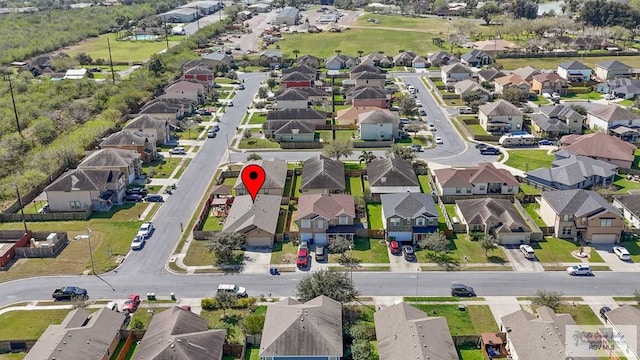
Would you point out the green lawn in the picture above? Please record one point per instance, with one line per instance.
(624, 185)
(367, 250)
(529, 190)
(252, 353)
(636, 161)
(213, 223)
(145, 316)
(199, 255)
(28, 325)
(532, 211)
(476, 129)
(162, 169)
(539, 100)
(553, 250)
(346, 135)
(192, 133)
(634, 249)
(460, 246)
(432, 25)
(230, 181)
(121, 51)
(374, 213)
(257, 143)
(588, 96)
(325, 135)
(425, 187)
(469, 352)
(231, 323)
(296, 189)
(475, 320)
(284, 253)
(527, 160)
(582, 314)
(552, 63)
(13, 356)
(354, 186)
(258, 119)
(451, 210)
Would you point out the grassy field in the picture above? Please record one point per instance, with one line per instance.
(374, 213)
(28, 325)
(431, 25)
(552, 63)
(476, 320)
(121, 51)
(553, 250)
(588, 96)
(13, 356)
(527, 160)
(367, 250)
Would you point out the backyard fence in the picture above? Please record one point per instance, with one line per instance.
(451, 199)
(52, 216)
(43, 252)
(372, 144)
(534, 184)
(536, 232)
(302, 145)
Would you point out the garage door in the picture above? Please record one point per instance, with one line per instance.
(260, 241)
(306, 236)
(603, 238)
(320, 239)
(511, 239)
(400, 235)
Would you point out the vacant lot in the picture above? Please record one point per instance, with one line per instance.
(28, 325)
(527, 160)
(121, 51)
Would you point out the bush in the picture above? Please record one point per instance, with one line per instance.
(244, 303)
(209, 304)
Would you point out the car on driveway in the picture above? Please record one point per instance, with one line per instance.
(154, 198)
(321, 253)
(545, 142)
(431, 127)
(146, 229)
(416, 148)
(622, 253)
(603, 312)
(132, 303)
(394, 248)
(133, 198)
(527, 251)
(408, 253)
(178, 150)
(303, 258)
(439, 140)
(137, 191)
(579, 269)
(211, 134)
(462, 290)
(137, 243)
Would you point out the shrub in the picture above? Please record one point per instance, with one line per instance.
(209, 304)
(245, 303)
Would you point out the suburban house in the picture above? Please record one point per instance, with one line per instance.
(339, 62)
(629, 206)
(455, 72)
(368, 78)
(495, 46)
(379, 124)
(513, 81)
(489, 74)
(483, 179)
(403, 329)
(624, 320)
(219, 61)
(500, 116)
(574, 71)
(180, 334)
(185, 90)
(556, 121)
(322, 217)
(256, 220)
(272, 58)
(497, 217)
(531, 337)
(296, 79)
(276, 176)
(289, 131)
(205, 7)
(169, 108)
(575, 172)
(404, 58)
(391, 175)
(549, 83)
(606, 117)
(200, 75)
(369, 96)
(419, 62)
(312, 71)
(81, 189)
(126, 161)
(295, 330)
(308, 60)
(153, 126)
(408, 217)
(292, 99)
(287, 16)
(351, 115)
(311, 116)
(132, 140)
(612, 69)
(376, 59)
(476, 58)
(81, 335)
(624, 88)
(364, 68)
(321, 174)
(581, 214)
(526, 73)
(598, 146)
(469, 87)
(441, 58)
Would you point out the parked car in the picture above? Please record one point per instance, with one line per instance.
(238, 290)
(113, 306)
(465, 110)
(490, 150)
(154, 198)
(230, 104)
(609, 97)
(408, 253)
(395, 248)
(416, 148)
(303, 258)
(132, 303)
(527, 251)
(137, 191)
(423, 113)
(603, 312)
(241, 87)
(70, 293)
(146, 229)
(431, 127)
(439, 140)
(545, 142)
(137, 243)
(481, 146)
(462, 290)
(178, 150)
(321, 253)
(579, 269)
(622, 253)
(133, 198)
(211, 134)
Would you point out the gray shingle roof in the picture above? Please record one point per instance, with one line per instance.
(391, 171)
(574, 170)
(500, 107)
(631, 202)
(282, 127)
(320, 172)
(630, 316)
(296, 76)
(127, 137)
(110, 157)
(365, 67)
(578, 202)
(85, 180)
(488, 210)
(180, 334)
(275, 170)
(611, 113)
(303, 69)
(490, 74)
(403, 329)
(379, 116)
(408, 205)
(368, 92)
(310, 329)
(456, 68)
(296, 114)
(328, 206)
(291, 95)
(246, 215)
(613, 64)
(573, 65)
(526, 72)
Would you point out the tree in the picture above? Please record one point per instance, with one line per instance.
(271, 83)
(253, 324)
(551, 299)
(361, 350)
(337, 149)
(579, 109)
(407, 105)
(254, 156)
(243, 64)
(362, 331)
(435, 241)
(337, 51)
(527, 9)
(488, 243)
(404, 152)
(366, 157)
(247, 135)
(338, 245)
(223, 244)
(331, 283)
(414, 128)
(349, 262)
(137, 324)
(84, 59)
(488, 11)
(296, 52)
(225, 300)
(155, 65)
(262, 92)
(512, 95)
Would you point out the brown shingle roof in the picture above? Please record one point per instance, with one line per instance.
(465, 177)
(599, 145)
(321, 172)
(328, 206)
(500, 107)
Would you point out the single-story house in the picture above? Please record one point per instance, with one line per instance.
(484, 179)
(455, 72)
(604, 117)
(497, 217)
(292, 99)
(276, 176)
(339, 62)
(495, 46)
(624, 320)
(289, 131)
(441, 58)
(350, 116)
(500, 116)
(322, 217)
(629, 206)
(257, 220)
(575, 172)
(368, 78)
(126, 161)
(321, 174)
(408, 217)
(526, 73)
(469, 87)
(404, 58)
(598, 146)
(391, 175)
(81, 189)
(377, 59)
(379, 124)
(476, 58)
(369, 96)
(296, 79)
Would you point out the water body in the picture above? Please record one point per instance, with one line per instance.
(556, 6)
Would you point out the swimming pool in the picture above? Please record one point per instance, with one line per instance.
(143, 37)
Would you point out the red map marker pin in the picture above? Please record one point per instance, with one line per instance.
(253, 178)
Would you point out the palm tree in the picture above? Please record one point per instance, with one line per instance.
(296, 52)
(338, 51)
(360, 52)
(366, 157)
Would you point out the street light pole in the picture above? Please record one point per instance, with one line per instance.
(351, 267)
(93, 270)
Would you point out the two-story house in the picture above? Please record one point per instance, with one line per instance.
(81, 189)
(581, 215)
(126, 161)
(500, 116)
(408, 217)
(369, 96)
(185, 90)
(276, 176)
(200, 74)
(132, 140)
(623, 88)
(367, 78)
(556, 121)
(476, 58)
(574, 71)
(379, 124)
(321, 217)
(513, 81)
(497, 217)
(549, 83)
(526, 73)
(296, 79)
(455, 72)
(272, 58)
(605, 117)
(339, 62)
(468, 87)
(484, 179)
(153, 126)
(612, 69)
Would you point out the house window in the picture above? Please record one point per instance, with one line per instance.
(566, 230)
(75, 204)
(320, 223)
(343, 220)
(458, 190)
(566, 217)
(481, 187)
(420, 221)
(606, 222)
(305, 223)
(510, 189)
(469, 190)
(475, 227)
(395, 221)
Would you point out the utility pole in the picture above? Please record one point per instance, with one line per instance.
(93, 269)
(13, 101)
(166, 33)
(113, 74)
(198, 19)
(24, 222)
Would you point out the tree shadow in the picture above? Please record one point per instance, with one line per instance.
(494, 259)
(444, 260)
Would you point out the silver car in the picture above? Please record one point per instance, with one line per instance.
(622, 253)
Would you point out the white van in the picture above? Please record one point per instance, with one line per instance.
(178, 150)
(527, 251)
(238, 290)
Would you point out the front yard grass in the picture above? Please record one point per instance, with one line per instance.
(581, 314)
(161, 169)
(324, 135)
(460, 246)
(475, 320)
(199, 255)
(284, 253)
(554, 250)
(367, 251)
(374, 214)
(526, 160)
(145, 316)
(552, 63)
(588, 96)
(469, 352)
(354, 186)
(539, 100)
(477, 129)
(257, 118)
(636, 160)
(624, 185)
(346, 135)
(28, 325)
(258, 143)
(531, 210)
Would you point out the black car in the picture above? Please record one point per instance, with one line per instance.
(603, 312)
(133, 198)
(137, 191)
(481, 146)
(154, 198)
(462, 290)
(490, 151)
(423, 113)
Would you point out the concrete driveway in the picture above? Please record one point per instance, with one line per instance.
(256, 260)
(519, 262)
(397, 263)
(612, 260)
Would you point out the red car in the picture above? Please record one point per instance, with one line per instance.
(303, 257)
(395, 247)
(132, 303)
